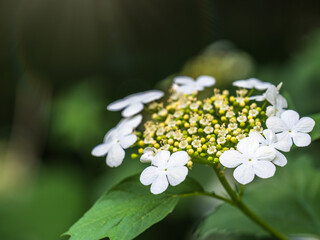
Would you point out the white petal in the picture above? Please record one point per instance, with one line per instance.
(242, 84)
(276, 124)
(118, 105)
(149, 175)
(160, 184)
(110, 135)
(183, 80)
(131, 122)
(271, 94)
(205, 81)
(115, 155)
(304, 125)
(248, 146)
(132, 109)
(100, 150)
(280, 159)
(283, 142)
(188, 89)
(301, 139)
(258, 98)
(177, 175)
(244, 173)
(232, 158)
(258, 137)
(178, 159)
(264, 169)
(269, 135)
(252, 83)
(151, 95)
(281, 102)
(148, 155)
(265, 153)
(161, 159)
(290, 117)
(128, 141)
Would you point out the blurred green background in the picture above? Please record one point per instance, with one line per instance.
(62, 62)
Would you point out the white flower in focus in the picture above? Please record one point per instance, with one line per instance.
(148, 154)
(252, 83)
(272, 140)
(133, 103)
(278, 102)
(165, 170)
(291, 128)
(249, 159)
(184, 84)
(114, 142)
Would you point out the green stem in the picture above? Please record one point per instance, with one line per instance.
(208, 194)
(242, 207)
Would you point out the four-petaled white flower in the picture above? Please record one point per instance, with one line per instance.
(187, 85)
(252, 83)
(269, 138)
(278, 102)
(291, 127)
(249, 159)
(114, 142)
(133, 103)
(148, 155)
(165, 169)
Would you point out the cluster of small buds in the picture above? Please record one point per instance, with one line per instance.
(204, 128)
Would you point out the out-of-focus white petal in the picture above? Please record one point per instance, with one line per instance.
(205, 81)
(183, 80)
(100, 150)
(280, 159)
(252, 83)
(258, 137)
(161, 159)
(276, 124)
(110, 135)
(151, 95)
(244, 173)
(118, 105)
(132, 109)
(128, 141)
(304, 125)
(160, 184)
(123, 131)
(271, 94)
(186, 89)
(178, 159)
(232, 158)
(290, 117)
(265, 153)
(248, 146)
(258, 98)
(115, 155)
(132, 122)
(281, 102)
(264, 169)
(177, 175)
(149, 175)
(301, 139)
(148, 155)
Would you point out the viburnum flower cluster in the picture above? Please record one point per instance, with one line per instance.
(242, 131)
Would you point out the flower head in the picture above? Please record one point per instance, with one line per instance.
(249, 159)
(291, 128)
(133, 103)
(165, 170)
(187, 85)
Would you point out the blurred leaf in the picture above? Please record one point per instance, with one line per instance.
(315, 134)
(289, 202)
(128, 209)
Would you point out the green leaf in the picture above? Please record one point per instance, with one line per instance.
(128, 209)
(289, 202)
(315, 134)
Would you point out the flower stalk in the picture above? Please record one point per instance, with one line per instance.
(237, 202)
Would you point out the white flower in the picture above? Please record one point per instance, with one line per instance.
(272, 140)
(114, 142)
(165, 170)
(133, 103)
(252, 83)
(290, 127)
(131, 122)
(278, 102)
(148, 154)
(187, 85)
(251, 159)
